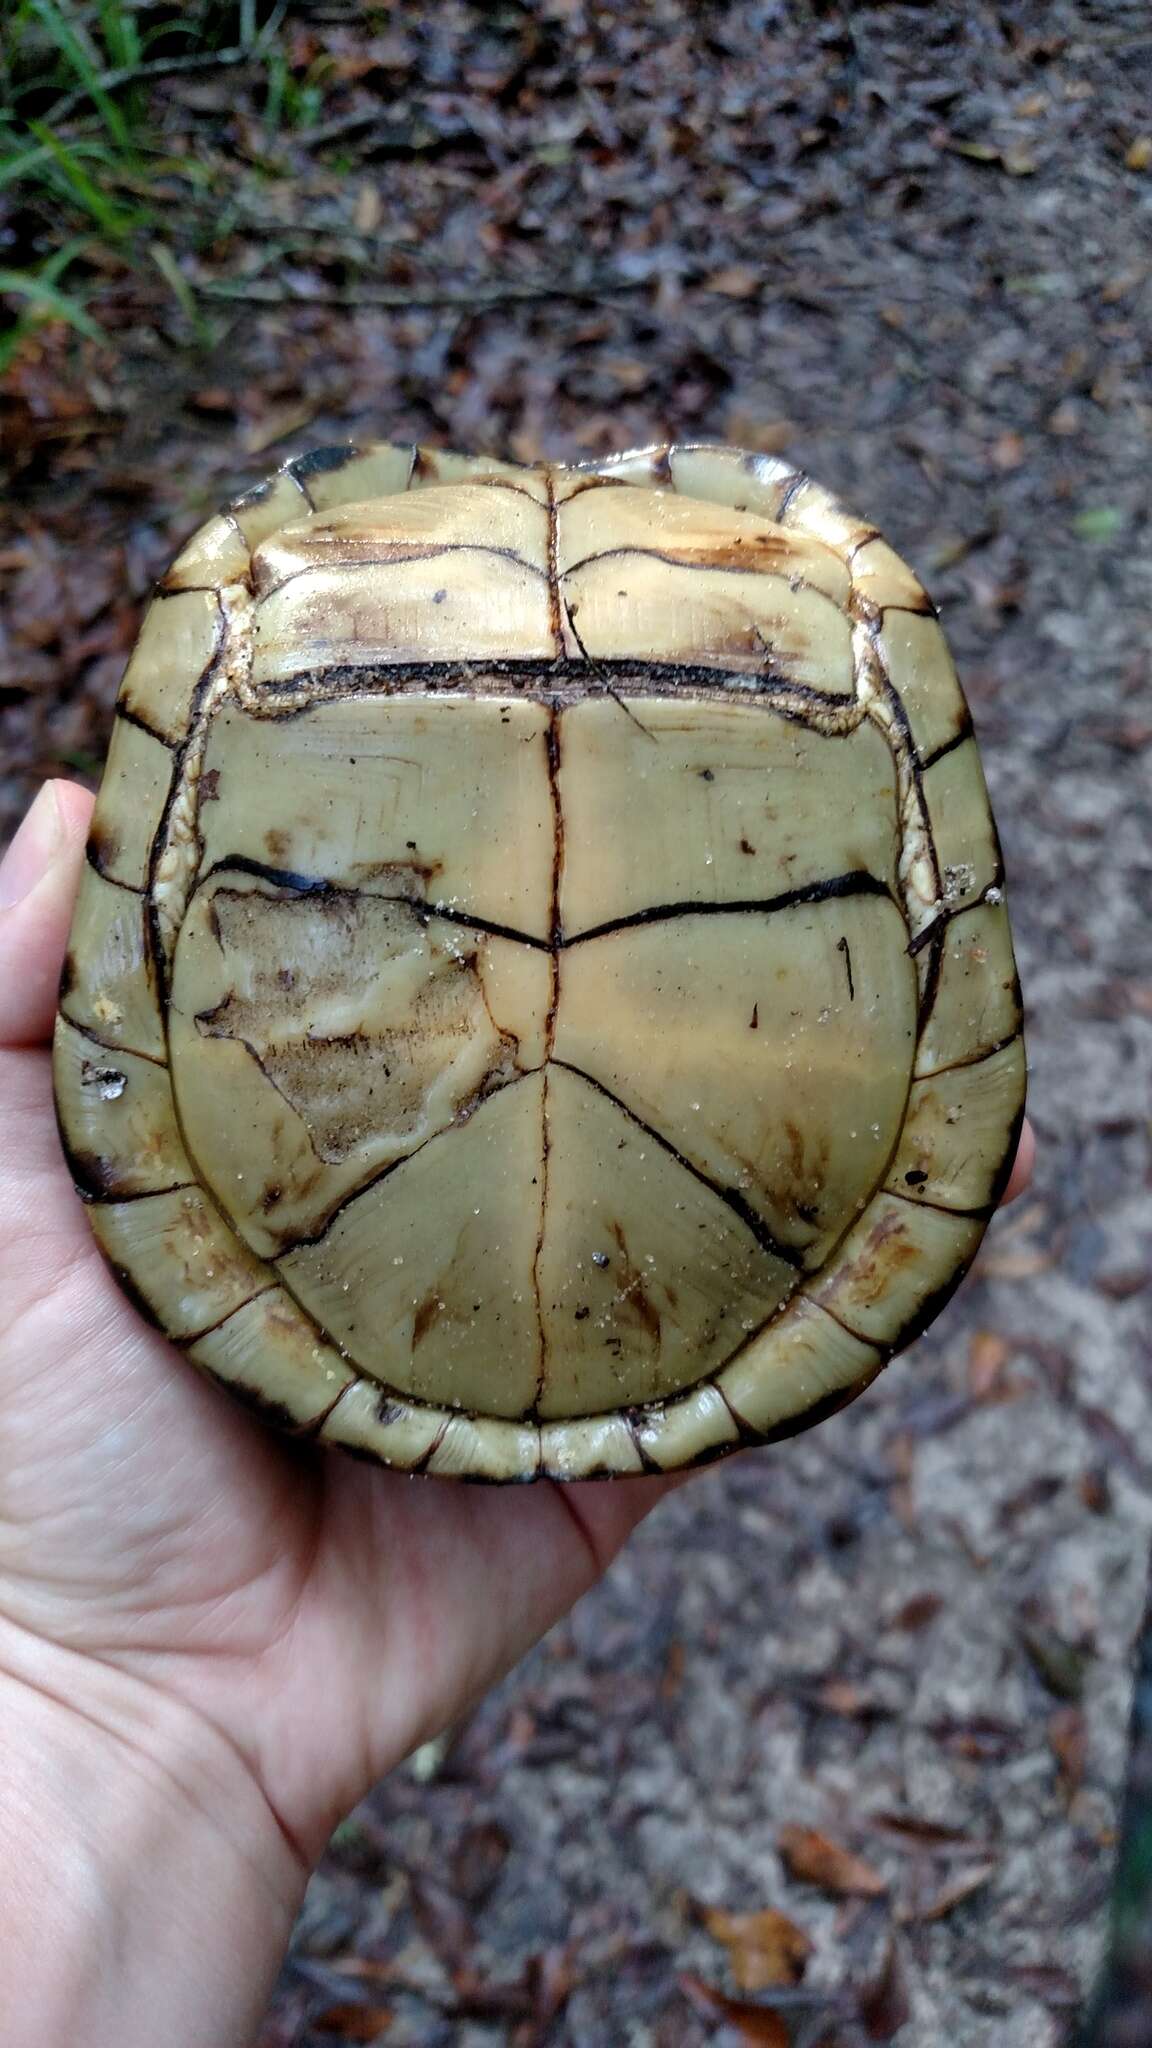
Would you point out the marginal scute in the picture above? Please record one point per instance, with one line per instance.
(881, 577)
(800, 1362)
(270, 1351)
(728, 476)
(485, 1449)
(372, 1422)
(600, 1444)
(177, 642)
(961, 823)
(112, 993)
(116, 1118)
(217, 554)
(809, 508)
(923, 673)
(952, 1146)
(185, 1262)
(137, 783)
(271, 505)
(893, 1265)
(670, 1434)
(540, 1000)
(977, 999)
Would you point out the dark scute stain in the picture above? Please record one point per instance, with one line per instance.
(67, 977)
(438, 596)
(256, 496)
(915, 1177)
(318, 460)
(755, 1022)
(95, 1176)
(745, 848)
(130, 1288)
(210, 786)
(270, 1196)
(706, 775)
(426, 1318)
(277, 844)
(104, 846)
(272, 1413)
(582, 1315)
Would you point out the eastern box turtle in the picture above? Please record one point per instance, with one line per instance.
(541, 998)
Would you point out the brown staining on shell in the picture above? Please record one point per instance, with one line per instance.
(632, 1295)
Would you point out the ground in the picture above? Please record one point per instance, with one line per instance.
(906, 247)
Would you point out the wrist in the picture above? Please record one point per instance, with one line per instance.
(148, 1891)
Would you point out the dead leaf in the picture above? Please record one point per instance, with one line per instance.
(1008, 450)
(884, 2004)
(756, 2024)
(1138, 154)
(1061, 1665)
(1067, 1739)
(354, 2022)
(917, 1611)
(954, 1893)
(988, 1354)
(369, 209)
(763, 1948)
(814, 1858)
(735, 281)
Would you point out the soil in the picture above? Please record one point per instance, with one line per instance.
(906, 247)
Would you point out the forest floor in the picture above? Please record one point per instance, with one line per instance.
(908, 248)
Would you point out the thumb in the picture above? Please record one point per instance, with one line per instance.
(39, 876)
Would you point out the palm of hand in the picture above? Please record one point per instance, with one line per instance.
(322, 1615)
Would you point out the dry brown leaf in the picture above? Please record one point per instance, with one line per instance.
(354, 2022)
(988, 1354)
(759, 2025)
(764, 1948)
(954, 1893)
(735, 281)
(1138, 154)
(1067, 1739)
(815, 1859)
(884, 2005)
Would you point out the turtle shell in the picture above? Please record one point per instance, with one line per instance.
(541, 999)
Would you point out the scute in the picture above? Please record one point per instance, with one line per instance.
(541, 1000)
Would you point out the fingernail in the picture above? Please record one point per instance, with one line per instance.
(37, 842)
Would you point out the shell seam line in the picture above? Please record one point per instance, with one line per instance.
(731, 1197)
(859, 882)
(154, 1059)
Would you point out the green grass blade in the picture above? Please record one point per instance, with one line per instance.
(77, 53)
(111, 219)
(51, 303)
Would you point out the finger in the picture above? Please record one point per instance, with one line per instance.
(1024, 1166)
(39, 876)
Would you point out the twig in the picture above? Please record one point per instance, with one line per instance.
(260, 292)
(166, 67)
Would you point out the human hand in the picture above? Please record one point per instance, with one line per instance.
(217, 1639)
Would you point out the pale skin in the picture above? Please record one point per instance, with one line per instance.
(212, 1643)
